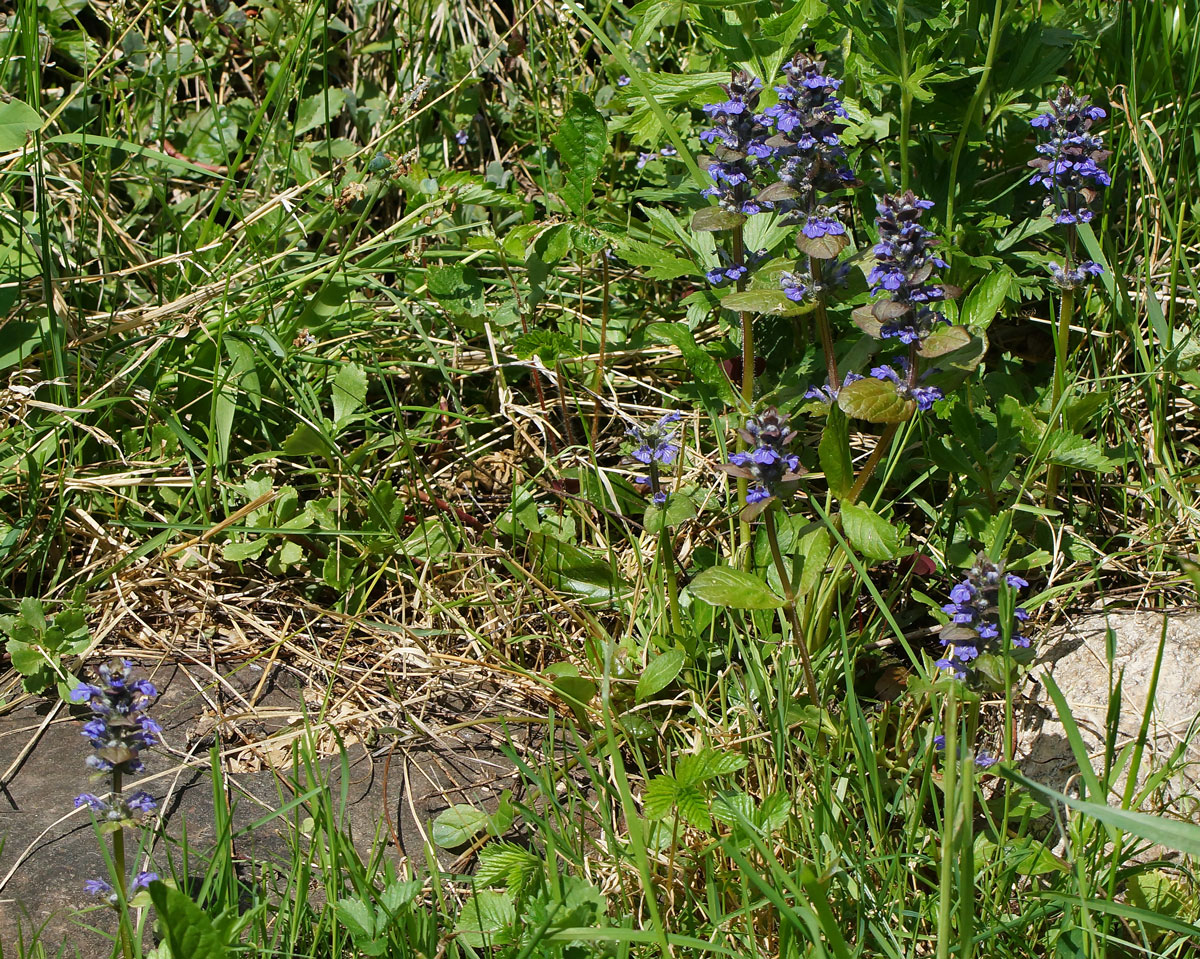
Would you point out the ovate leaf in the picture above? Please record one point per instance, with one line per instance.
(869, 533)
(488, 918)
(712, 219)
(17, 120)
(188, 930)
(349, 393)
(581, 142)
(660, 673)
(834, 452)
(458, 825)
(875, 401)
(733, 589)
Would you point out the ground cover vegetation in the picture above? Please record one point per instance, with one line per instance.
(736, 392)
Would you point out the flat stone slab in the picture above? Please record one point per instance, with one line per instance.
(49, 849)
(1079, 664)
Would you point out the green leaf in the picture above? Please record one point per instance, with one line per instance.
(239, 552)
(581, 142)
(319, 109)
(734, 589)
(305, 441)
(707, 764)
(458, 825)
(943, 340)
(712, 219)
(659, 799)
(822, 247)
(692, 805)
(654, 260)
(985, 299)
(504, 863)
(756, 301)
(869, 533)
(875, 401)
(188, 930)
(568, 683)
(834, 452)
(1071, 449)
(1181, 836)
(488, 918)
(699, 363)
(26, 659)
(457, 288)
(660, 673)
(17, 120)
(349, 392)
(679, 509)
(358, 917)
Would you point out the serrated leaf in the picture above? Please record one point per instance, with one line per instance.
(358, 917)
(655, 261)
(834, 453)
(26, 660)
(756, 301)
(17, 120)
(581, 142)
(507, 864)
(943, 340)
(712, 219)
(1071, 449)
(875, 401)
(699, 363)
(458, 825)
(706, 764)
(305, 441)
(349, 392)
(549, 345)
(488, 918)
(658, 802)
(869, 533)
(660, 673)
(733, 589)
(189, 930)
(692, 806)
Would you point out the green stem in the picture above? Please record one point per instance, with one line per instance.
(949, 825)
(667, 554)
(905, 96)
(598, 377)
(122, 889)
(973, 109)
(747, 321)
(789, 595)
(1061, 345)
(831, 368)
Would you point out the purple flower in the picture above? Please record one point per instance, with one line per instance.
(767, 461)
(94, 803)
(1068, 164)
(668, 151)
(143, 879)
(974, 610)
(924, 396)
(462, 136)
(623, 81)
(142, 802)
(794, 285)
(656, 443)
(739, 137)
(659, 498)
(644, 158)
(118, 728)
(96, 887)
(1077, 276)
(905, 263)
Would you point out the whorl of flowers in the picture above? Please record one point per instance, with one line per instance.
(768, 462)
(119, 728)
(905, 262)
(807, 142)
(739, 143)
(655, 446)
(1070, 170)
(924, 396)
(975, 628)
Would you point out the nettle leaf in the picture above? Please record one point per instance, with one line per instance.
(458, 825)
(457, 288)
(655, 261)
(712, 219)
(707, 764)
(505, 863)
(943, 340)
(692, 805)
(581, 142)
(756, 301)
(834, 452)
(660, 673)
(358, 917)
(1071, 449)
(733, 589)
(869, 533)
(658, 802)
(875, 401)
(487, 919)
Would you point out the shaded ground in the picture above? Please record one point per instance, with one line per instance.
(49, 850)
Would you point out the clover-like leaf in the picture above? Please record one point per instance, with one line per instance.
(875, 401)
